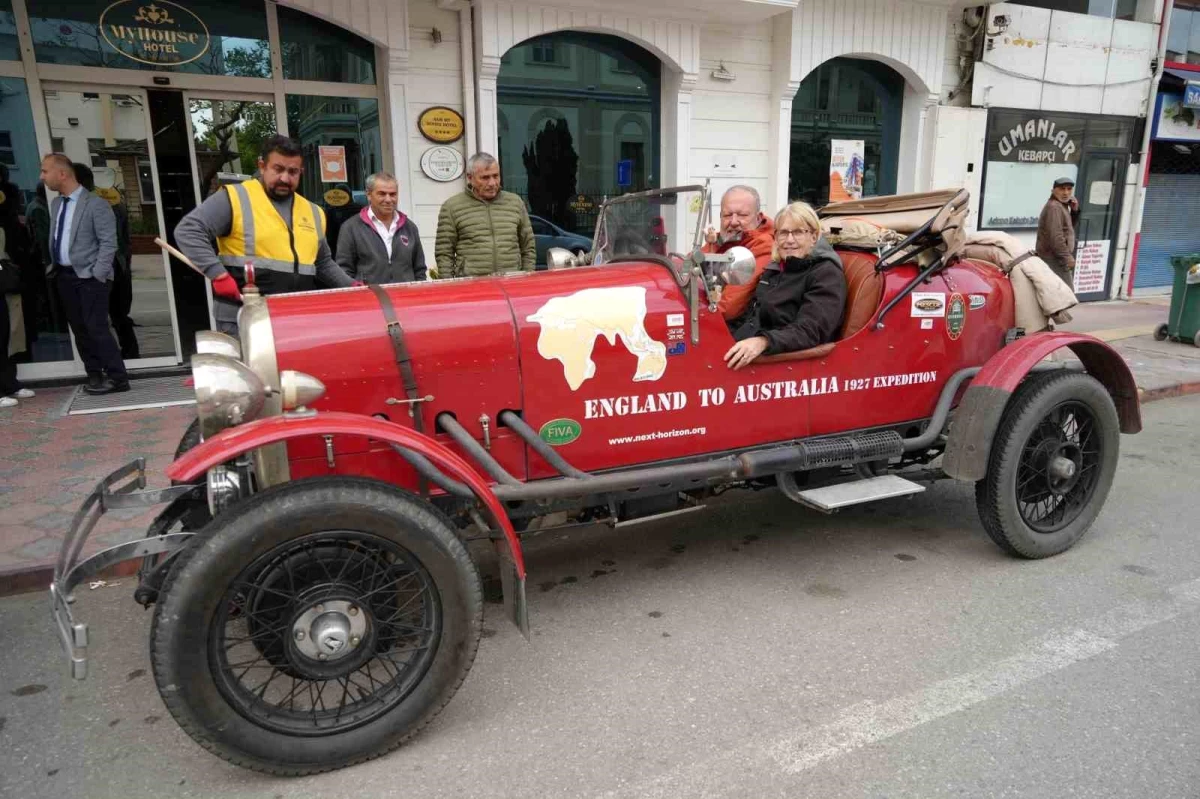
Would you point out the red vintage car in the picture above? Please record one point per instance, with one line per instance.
(316, 604)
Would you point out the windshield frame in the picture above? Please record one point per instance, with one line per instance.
(601, 227)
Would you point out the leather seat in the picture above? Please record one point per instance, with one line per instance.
(864, 290)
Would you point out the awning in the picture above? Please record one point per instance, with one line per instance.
(1182, 74)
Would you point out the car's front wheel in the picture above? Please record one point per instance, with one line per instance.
(315, 625)
(1051, 465)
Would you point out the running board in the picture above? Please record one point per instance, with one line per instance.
(830, 498)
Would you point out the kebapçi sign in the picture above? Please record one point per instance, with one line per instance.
(1036, 140)
(159, 33)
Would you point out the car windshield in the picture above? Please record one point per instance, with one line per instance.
(651, 223)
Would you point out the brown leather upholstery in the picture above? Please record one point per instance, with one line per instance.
(819, 351)
(864, 290)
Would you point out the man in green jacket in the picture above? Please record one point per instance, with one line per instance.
(483, 230)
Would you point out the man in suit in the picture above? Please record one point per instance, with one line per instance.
(83, 244)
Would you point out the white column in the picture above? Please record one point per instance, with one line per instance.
(914, 149)
(779, 159)
(487, 107)
(676, 156)
(397, 104)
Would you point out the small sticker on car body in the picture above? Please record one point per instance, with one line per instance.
(928, 304)
(675, 320)
(927, 324)
(977, 301)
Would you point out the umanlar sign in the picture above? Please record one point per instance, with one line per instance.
(1026, 152)
(1036, 141)
(159, 33)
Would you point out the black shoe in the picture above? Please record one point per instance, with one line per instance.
(95, 380)
(108, 387)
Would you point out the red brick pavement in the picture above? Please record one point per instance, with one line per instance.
(50, 462)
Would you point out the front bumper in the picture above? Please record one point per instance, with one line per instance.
(69, 571)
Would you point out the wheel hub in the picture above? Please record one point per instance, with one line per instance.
(1063, 468)
(328, 632)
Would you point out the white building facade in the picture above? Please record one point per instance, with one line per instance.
(582, 99)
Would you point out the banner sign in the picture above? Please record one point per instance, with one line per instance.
(1035, 140)
(1091, 266)
(160, 33)
(846, 159)
(1191, 94)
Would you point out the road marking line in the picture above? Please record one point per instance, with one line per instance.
(869, 722)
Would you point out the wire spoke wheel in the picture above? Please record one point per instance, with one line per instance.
(316, 624)
(1059, 468)
(1051, 464)
(325, 633)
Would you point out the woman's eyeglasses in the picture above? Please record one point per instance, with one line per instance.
(797, 235)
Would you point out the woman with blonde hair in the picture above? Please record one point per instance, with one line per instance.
(801, 297)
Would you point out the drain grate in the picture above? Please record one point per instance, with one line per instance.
(150, 392)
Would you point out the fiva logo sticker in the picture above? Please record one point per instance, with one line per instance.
(560, 432)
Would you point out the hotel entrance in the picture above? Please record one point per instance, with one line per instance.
(163, 103)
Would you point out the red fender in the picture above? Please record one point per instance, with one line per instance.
(978, 416)
(233, 442)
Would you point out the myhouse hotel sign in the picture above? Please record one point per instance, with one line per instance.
(159, 33)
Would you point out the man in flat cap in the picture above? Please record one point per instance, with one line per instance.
(1056, 230)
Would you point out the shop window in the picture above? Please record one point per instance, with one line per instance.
(1183, 36)
(208, 37)
(351, 124)
(313, 49)
(10, 49)
(58, 144)
(565, 132)
(846, 100)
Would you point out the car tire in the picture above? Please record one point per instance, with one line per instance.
(1161, 332)
(286, 541)
(1030, 502)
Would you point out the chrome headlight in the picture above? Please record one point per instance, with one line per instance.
(228, 393)
(210, 342)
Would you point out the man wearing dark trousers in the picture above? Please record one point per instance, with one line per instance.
(120, 297)
(83, 243)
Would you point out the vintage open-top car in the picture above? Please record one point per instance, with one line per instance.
(316, 603)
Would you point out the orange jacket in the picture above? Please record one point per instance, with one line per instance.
(760, 241)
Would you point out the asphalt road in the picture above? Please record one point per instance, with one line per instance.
(756, 650)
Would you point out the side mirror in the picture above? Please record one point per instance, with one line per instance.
(558, 258)
(741, 267)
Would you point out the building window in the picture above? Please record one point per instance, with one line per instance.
(58, 144)
(315, 50)
(1183, 37)
(7, 156)
(95, 150)
(145, 181)
(9, 48)
(208, 37)
(546, 53)
(1028, 150)
(1110, 9)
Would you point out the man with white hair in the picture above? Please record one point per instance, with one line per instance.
(743, 224)
(483, 230)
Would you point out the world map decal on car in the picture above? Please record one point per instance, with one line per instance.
(571, 324)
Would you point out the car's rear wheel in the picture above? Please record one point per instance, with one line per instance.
(1051, 465)
(316, 625)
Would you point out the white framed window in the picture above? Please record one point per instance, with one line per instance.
(146, 181)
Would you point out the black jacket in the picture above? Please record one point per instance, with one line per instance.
(800, 303)
(361, 254)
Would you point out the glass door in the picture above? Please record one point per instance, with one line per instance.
(107, 130)
(225, 132)
(1099, 192)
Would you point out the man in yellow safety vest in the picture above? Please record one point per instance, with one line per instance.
(262, 221)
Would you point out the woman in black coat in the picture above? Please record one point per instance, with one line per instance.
(801, 296)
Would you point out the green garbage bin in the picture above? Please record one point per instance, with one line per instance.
(1183, 324)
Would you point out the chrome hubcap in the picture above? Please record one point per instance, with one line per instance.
(329, 631)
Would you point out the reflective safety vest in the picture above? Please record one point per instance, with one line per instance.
(284, 258)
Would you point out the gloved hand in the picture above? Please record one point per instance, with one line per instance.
(226, 288)
(432, 270)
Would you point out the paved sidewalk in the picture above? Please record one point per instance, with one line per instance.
(49, 462)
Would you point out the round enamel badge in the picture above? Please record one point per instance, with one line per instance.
(956, 316)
